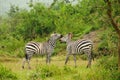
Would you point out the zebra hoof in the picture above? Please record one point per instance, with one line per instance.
(22, 67)
(88, 66)
(29, 68)
(75, 66)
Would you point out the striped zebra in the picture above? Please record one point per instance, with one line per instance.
(45, 48)
(78, 47)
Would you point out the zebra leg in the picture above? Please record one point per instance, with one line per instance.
(28, 61)
(48, 58)
(75, 60)
(92, 55)
(24, 60)
(89, 59)
(67, 58)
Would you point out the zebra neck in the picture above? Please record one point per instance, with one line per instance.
(68, 42)
(52, 42)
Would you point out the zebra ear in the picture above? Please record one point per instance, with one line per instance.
(54, 32)
(70, 35)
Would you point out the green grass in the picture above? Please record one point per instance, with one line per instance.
(58, 71)
(7, 74)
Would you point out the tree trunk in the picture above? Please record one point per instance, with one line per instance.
(119, 53)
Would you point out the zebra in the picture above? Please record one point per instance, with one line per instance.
(45, 48)
(78, 47)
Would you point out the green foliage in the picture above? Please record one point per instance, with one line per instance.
(108, 44)
(84, 57)
(22, 25)
(12, 47)
(13, 10)
(40, 21)
(6, 74)
(49, 71)
(43, 72)
(109, 64)
(104, 69)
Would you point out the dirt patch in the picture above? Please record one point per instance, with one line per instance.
(8, 59)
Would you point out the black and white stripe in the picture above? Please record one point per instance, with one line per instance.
(78, 47)
(45, 48)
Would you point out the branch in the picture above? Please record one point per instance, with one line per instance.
(116, 19)
(109, 13)
(54, 2)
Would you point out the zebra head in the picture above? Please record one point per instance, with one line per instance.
(66, 38)
(55, 36)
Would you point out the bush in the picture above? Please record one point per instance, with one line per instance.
(108, 43)
(12, 47)
(43, 72)
(109, 64)
(6, 74)
(104, 69)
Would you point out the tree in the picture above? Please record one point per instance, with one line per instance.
(13, 10)
(106, 12)
(115, 24)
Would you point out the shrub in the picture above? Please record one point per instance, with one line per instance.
(109, 64)
(6, 74)
(45, 71)
(12, 47)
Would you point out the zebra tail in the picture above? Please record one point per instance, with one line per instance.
(26, 56)
(92, 55)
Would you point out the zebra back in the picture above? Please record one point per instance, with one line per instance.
(82, 45)
(35, 47)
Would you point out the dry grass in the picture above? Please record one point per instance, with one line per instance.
(15, 64)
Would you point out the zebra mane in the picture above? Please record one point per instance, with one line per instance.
(51, 42)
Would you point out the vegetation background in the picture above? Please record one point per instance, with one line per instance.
(86, 19)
